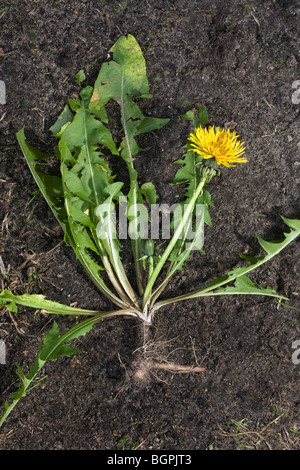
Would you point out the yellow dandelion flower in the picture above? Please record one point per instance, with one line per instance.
(218, 143)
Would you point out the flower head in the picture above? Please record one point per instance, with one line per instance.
(220, 144)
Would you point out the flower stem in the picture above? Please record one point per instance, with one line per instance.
(177, 234)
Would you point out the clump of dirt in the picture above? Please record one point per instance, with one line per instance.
(241, 61)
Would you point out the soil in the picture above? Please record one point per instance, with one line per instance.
(239, 59)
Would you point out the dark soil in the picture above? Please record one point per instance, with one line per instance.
(239, 59)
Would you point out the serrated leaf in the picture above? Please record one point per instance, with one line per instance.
(205, 199)
(39, 302)
(73, 183)
(32, 156)
(77, 214)
(65, 154)
(121, 80)
(86, 130)
(12, 307)
(188, 174)
(24, 385)
(273, 248)
(244, 285)
(124, 75)
(54, 346)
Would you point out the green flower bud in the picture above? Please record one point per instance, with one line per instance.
(148, 247)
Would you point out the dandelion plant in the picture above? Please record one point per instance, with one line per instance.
(84, 197)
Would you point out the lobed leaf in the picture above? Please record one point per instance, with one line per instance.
(54, 346)
(244, 285)
(149, 192)
(39, 302)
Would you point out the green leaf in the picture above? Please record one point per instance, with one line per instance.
(65, 154)
(86, 130)
(76, 214)
(32, 156)
(150, 124)
(12, 307)
(271, 248)
(39, 302)
(80, 76)
(73, 183)
(65, 118)
(74, 103)
(24, 385)
(121, 80)
(189, 175)
(54, 346)
(189, 116)
(205, 199)
(148, 190)
(52, 185)
(85, 178)
(30, 152)
(85, 175)
(124, 75)
(202, 116)
(244, 285)
(106, 232)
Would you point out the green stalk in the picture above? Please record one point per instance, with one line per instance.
(172, 269)
(109, 270)
(135, 243)
(177, 234)
(170, 273)
(151, 267)
(116, 262)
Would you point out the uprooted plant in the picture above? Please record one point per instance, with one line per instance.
(85, 196)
